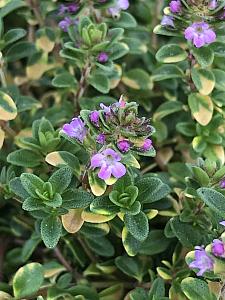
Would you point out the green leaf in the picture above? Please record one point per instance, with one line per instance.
(204, 56)
(8, 110)
(137, 225)
(126, 20)
(101, 246)
(118, 50)
(151, 189)
(184, 233)
(103, 206)
(61, 179)
(204, 80)
(201, 107)
(13, 35)
(130, 266)
(220, 79)
(219, 49)
(166, 109)
(201, 176)
(65, 80)
(138, 294)
(17, 188)
(28, 280)
(214, 199)
(159, 29)
(171, 53)
(11, 6)
(155, 243)
(20, 50)
(77, 199)
(29, 246)
(130, 244)
(137, 79)
(31, 204)
(24, 158)
(31, 183)
(100, 82)
(167, 72)
(157, 289)
(51, 229)
(196, 289)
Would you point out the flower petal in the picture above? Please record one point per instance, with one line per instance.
(97, 160)
(105, 172)
(118, 170)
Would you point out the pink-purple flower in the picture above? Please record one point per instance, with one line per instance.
(65, 23)
(94, 117)
(75, 129)
(109, 163)
(103, 57)
(222, 183)
(123, 146)
(202, 261)
(218, 247)
(101, 138)
(168, 21)
(200, 34)
(120, 5)
(147, 145)
(212, 4)
(175, 6)
(69, 8)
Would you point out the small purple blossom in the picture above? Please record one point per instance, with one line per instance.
(168, 21)
(123, 145)
(222, 183)
(175, 6)
(109, 163)
(106, 109)
(101, 138)
(202, 261)
(120, 5)
(65, 23)
(212, 4)
(94, 117)
(75, 129)
(147, 145)
(218, 247)
(72, 8)
(200, 34)
(222, 223)
(62, 9)
(103, 57)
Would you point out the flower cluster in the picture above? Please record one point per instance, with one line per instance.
(195, 21)
(66, 10)
(120, 5)
(109, 135)
(205, 259)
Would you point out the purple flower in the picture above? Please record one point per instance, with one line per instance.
(175, 6)
(94, 117)
(212, 4)
(222, 223)
(101, 138)
(106, 109)
(109, 163)
(123, 145)
(218, 247)
(120, 5)
(65, 23)
(222, 183)
(62, 9)
(202, 261)
(103, 57)
(147, 145)
(75, 129)
(72, 8)
(167, 21)
(200, 34)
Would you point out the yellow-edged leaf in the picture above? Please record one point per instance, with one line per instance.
(8, 110)
(2, 137)
(201, 107)
(72, 221)
(95, 218)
